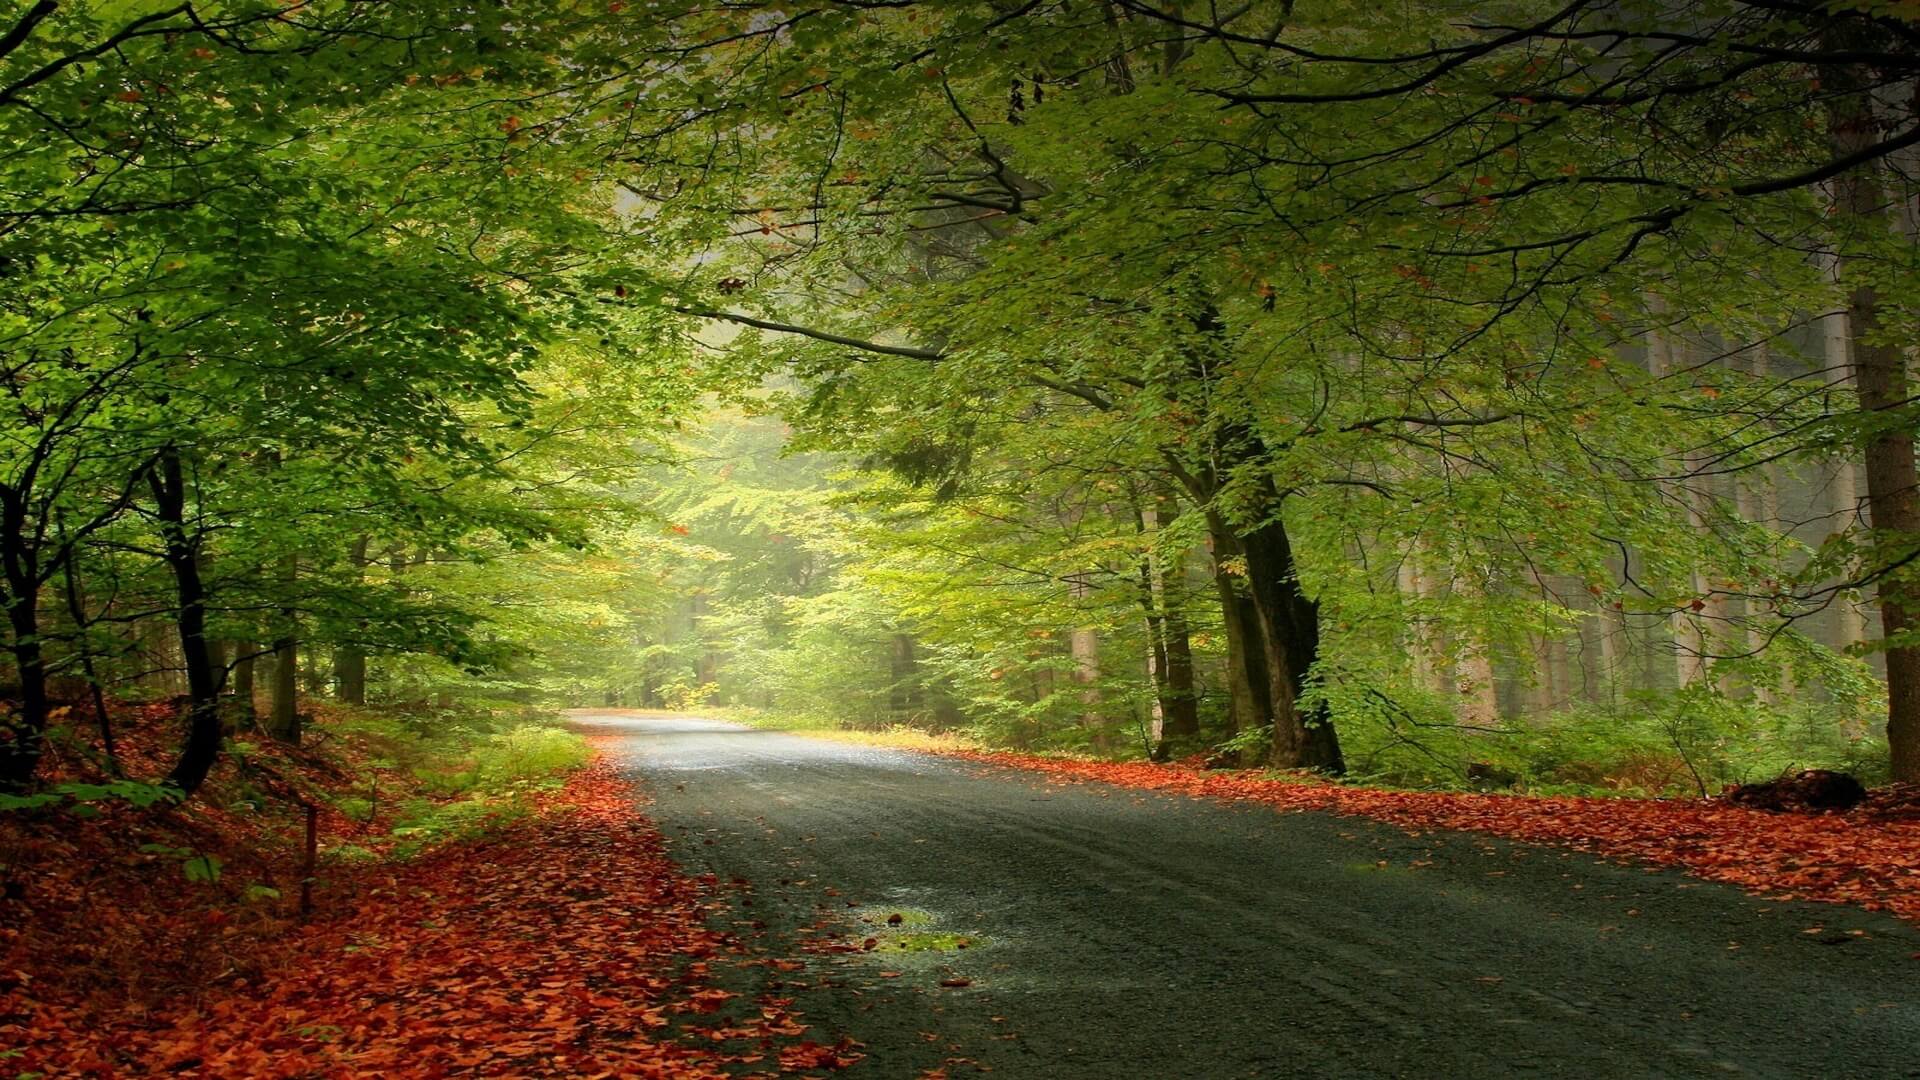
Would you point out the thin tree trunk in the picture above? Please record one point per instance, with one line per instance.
(243, 667)
(903, 693)
(1181, 702)
(1249, 708)
(283, 717)
(1689, 639)
(181, 552)
(1083, 644)
(77, 609)
(22, 732)
(1176, 709)
(1843, 492)
(349, 659)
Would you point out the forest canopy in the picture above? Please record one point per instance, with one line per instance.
(1402, 391)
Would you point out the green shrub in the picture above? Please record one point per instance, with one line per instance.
(423, 824)
(527, 753)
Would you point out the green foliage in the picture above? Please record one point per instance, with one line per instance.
(1075, 310)
(528, 753)
(1686, 744)
(88, 800)
(195, 866)
(423, 824)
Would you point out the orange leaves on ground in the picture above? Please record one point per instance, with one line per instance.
(1869, 857)
(811, 1055)
(566, 945)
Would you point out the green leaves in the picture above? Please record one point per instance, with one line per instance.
(90, 800)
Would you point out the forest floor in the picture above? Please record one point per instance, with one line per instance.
(554, 938)
(960, 915)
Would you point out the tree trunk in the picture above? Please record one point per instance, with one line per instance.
(243, 661)
(349, 659)
(182, 555)
(706, 667)
(77, 609)
(1176, 708)
(1290, 644)
(903, 694)
(1083, 644)
(1880, 371)
(1248, 705)
(283, 716)
(1180, 704)
(22, 731)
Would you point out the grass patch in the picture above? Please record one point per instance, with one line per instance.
(926, 942)
(423, 778)
(897, 737)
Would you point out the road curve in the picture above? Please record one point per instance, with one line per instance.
(1116, 934)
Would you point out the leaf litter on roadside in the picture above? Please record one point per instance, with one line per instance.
(1869, 857)
(568, 945)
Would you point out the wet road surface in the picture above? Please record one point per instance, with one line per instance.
(1111, 933)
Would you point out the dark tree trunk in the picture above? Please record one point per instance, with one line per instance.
(22, 731)
(201, 747)
(1290, 640)
(283, 717)
(349, 659)
(1248, 703)
(1169, 652)
(77, 610)
(1180, 704)
(243, 667)
(1880, 373)
(903, 695)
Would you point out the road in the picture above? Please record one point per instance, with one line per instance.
(1112, 933)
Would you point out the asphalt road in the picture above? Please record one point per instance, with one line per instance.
(1111, 933)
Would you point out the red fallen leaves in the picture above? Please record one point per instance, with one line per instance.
(812, 1055)
(1870, 858)
(563, 946)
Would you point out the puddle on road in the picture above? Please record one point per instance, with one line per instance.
(912, 930)
(915, 942)
(1376, 868)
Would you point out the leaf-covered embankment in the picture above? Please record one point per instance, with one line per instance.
(559, 940)
(1869, 857)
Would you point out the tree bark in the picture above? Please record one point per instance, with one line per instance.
(243, 666)
(22, 732)
(1176, 708)
(1303, 737)
(1880, 372)
(283, 717)
(1181, 703)
(181, 552)
(1248, 705)
(903, 694)
(1083, 644)
(349, 659)
(77, 610)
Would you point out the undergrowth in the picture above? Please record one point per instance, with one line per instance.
(204, 886)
